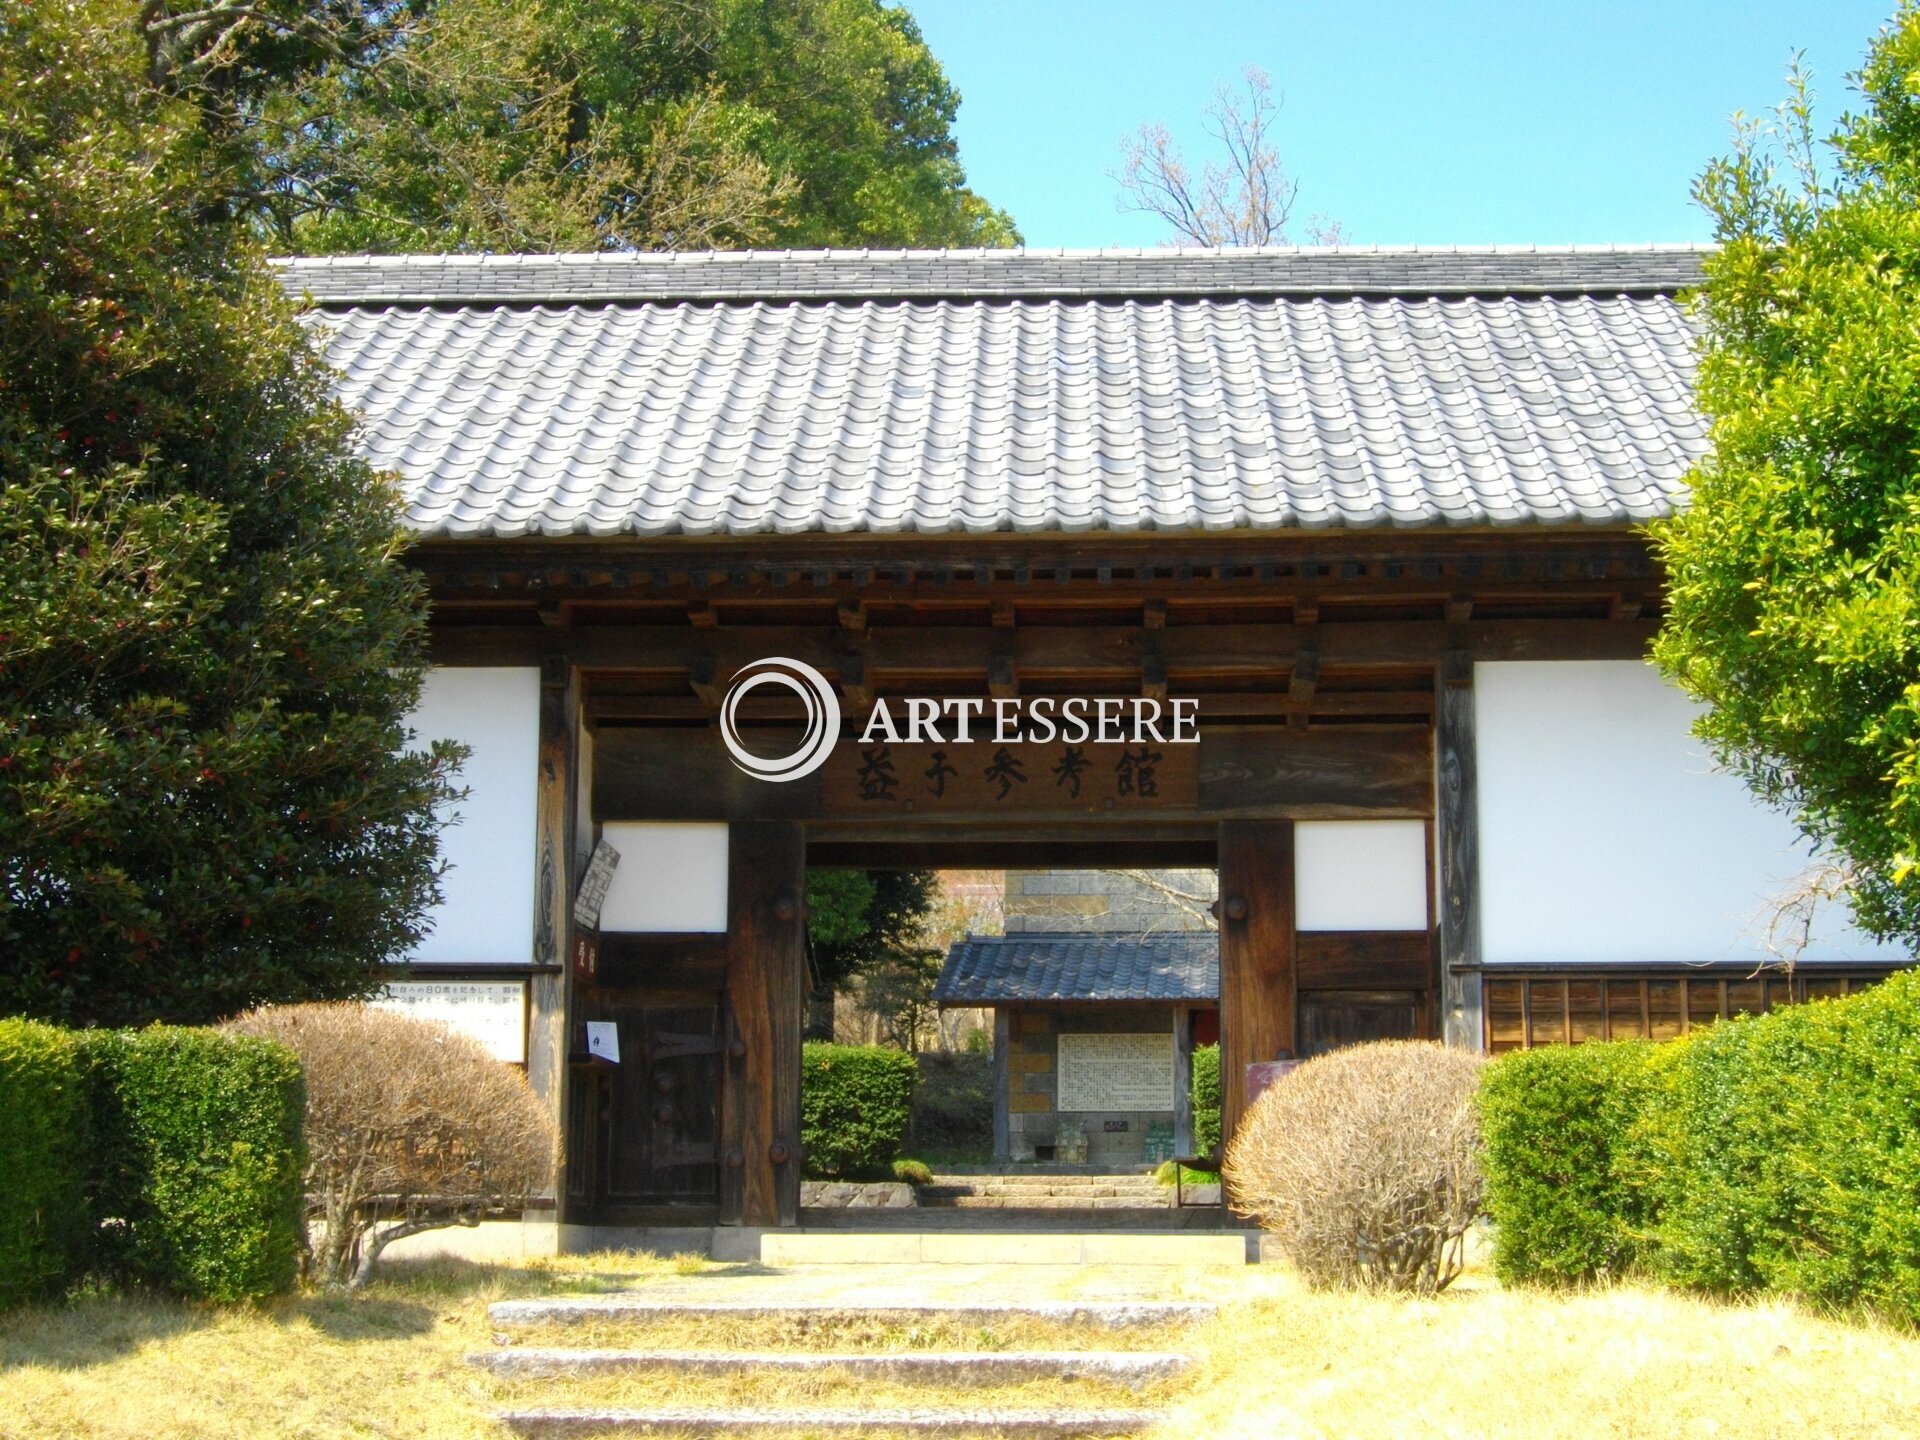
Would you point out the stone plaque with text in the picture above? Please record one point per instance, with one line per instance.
(1116, 1072)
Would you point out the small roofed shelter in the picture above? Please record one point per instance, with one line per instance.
(1093, 1038)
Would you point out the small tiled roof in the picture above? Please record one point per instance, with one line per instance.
(1174, 966)
(982, 391)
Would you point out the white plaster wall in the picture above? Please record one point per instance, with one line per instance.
(1360, 874)
(672, 878)
(1606, 833)
(486, 916)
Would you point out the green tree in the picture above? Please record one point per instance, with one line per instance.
(1794, 577)
(517, 125)
(207, 648)
(856, 921)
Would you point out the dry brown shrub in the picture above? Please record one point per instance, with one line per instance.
(411, 1126)
(1362, 1164)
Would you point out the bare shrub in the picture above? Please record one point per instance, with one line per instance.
(411, 1126)
(1362, 1164)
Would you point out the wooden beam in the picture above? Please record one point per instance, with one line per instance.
(1366, 960)
(1182, 1080)
(548, 998)
(1331, 773)
(1457, 846)
(1257, 979)
(1002, 1083)
(760, 1105)
(1060, 650)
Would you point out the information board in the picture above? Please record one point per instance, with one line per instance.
(494, 1012)
(1116, 1072)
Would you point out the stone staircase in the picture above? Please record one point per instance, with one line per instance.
(1005, 1190)
(616, 1365)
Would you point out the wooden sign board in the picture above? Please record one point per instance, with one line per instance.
(928, 779)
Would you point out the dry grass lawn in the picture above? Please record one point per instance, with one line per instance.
(1498, 1365)
(1279, 1363)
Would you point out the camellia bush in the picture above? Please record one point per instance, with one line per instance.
(411, 1127)
(1363, 1165)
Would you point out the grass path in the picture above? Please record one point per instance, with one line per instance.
(1279, 1364)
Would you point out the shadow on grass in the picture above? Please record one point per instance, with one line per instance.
(96, 1324)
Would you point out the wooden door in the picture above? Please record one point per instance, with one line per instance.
(1332, 1018)
(645, 1132)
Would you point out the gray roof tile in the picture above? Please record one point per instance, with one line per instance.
(918, 392)
(1173, 966)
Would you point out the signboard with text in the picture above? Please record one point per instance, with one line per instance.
(1116, 1072)
(494, 1012)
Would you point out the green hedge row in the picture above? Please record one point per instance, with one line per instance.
(165, 1157)
(1777, 1152)
(1205, 1091)
(855, 1103)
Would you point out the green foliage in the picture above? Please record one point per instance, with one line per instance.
(1778, 1152)
(912, 1172)
(207, 648)
(953, 1104)
(511, 125)
(856, 918)
(45, 1137)
(1206, 1099)
(1786, 1153)
(855, 1102)
(1556, 1123)
(199, 1162)
(1794, 577)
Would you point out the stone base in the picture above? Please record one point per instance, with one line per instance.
(847, 1195)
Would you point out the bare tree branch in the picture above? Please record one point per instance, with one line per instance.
(1245, 201)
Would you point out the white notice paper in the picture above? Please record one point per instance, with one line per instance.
(603, 1039)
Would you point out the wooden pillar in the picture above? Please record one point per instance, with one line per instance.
(1257, 976)
(760, 1103)
(1457, 843)
(553, 899)
(1002, 1083)
(1182, 1080)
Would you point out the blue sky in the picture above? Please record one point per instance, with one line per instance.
(1411, 123)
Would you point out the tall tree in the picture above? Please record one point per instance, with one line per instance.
(856, 921)
(519, 125)
(1794, 607)
(207, 650)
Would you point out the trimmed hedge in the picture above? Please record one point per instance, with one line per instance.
(1205, 1091)
(1785, 1153)
(855, 1103)
(1777, 1152)
(199, 1185)
(1555, 1124)
(45, 1139)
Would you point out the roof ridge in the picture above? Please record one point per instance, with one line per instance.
(342, 281)
(989, 253)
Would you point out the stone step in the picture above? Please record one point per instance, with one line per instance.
(635, 1308)
(693, 1420)
(1003, 1247)
(1132, 1368)
(1044, 1202)
(1021, 1192)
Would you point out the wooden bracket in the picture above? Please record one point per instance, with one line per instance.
(700, 676)
(1153, 675)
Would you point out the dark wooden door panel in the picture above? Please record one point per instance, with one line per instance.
(646, 1131)
(1330, 1019)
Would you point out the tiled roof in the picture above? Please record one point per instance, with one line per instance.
(996, 391)
(1174, 966)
